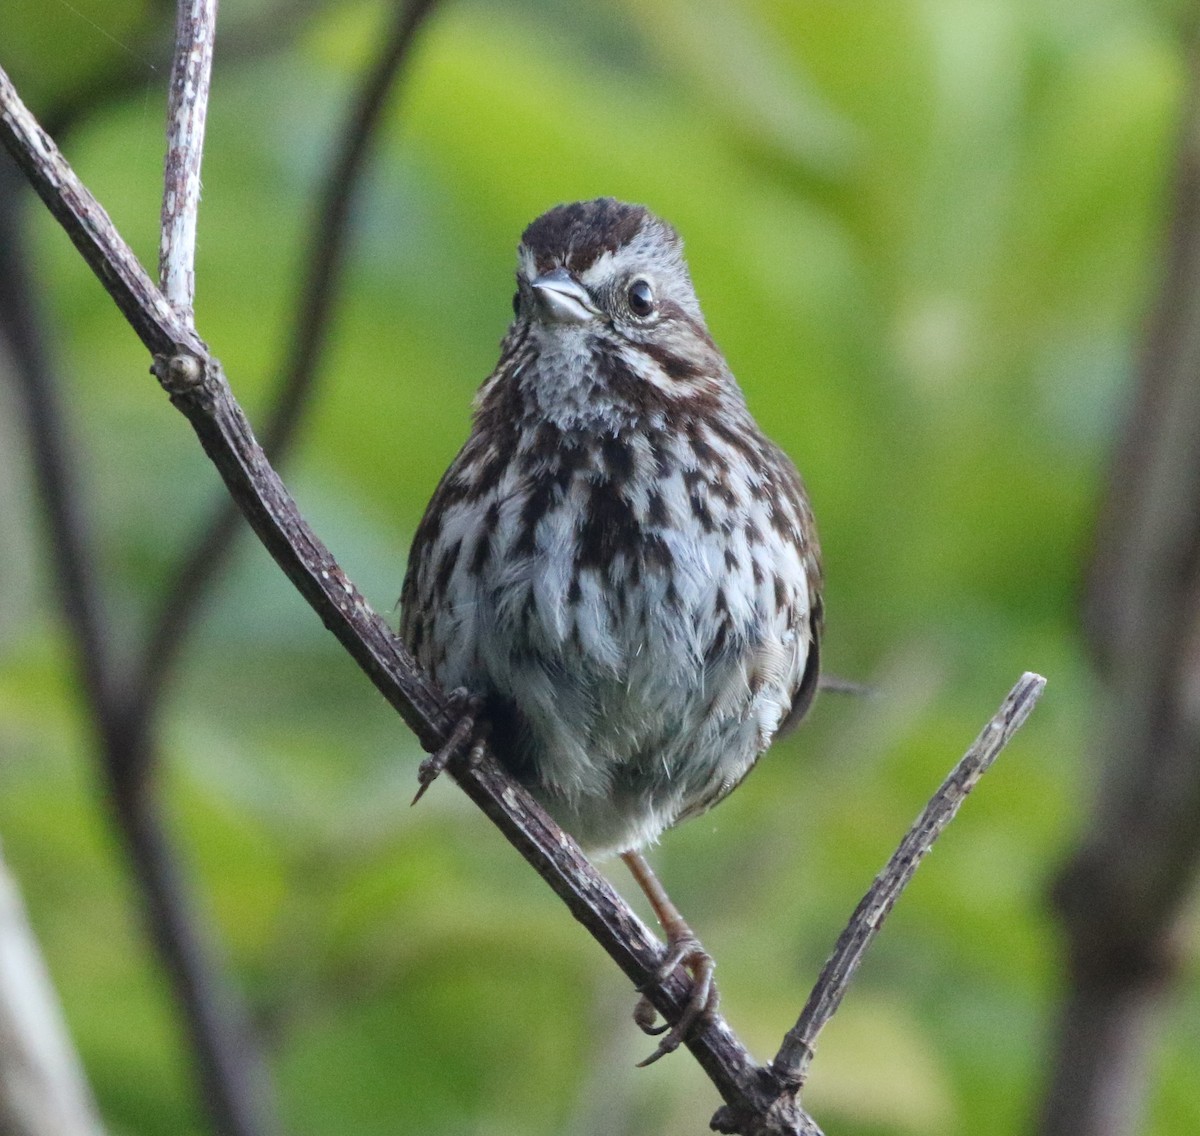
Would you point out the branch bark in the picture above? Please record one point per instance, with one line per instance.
(759, 1102)
(796, 1054)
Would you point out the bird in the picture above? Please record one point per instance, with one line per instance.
(619, 574)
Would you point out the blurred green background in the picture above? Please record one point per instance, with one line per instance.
(925, 233)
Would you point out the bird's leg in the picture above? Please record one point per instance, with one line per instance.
(683, 949)
(467, 729)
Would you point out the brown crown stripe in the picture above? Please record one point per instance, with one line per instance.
(577, 235)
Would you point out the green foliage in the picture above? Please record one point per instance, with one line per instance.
(924, 233)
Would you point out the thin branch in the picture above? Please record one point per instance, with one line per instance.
(795, 1055)
(187, 112)
(67, 534)
(758, 1101)
(208, 554)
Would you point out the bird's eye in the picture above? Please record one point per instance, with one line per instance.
(517, 302)
(641, 298)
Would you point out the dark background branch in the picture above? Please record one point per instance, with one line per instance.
(231, 1073)
(1122, 893)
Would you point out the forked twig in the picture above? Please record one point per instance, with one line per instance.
(124, 694)
(228, 1071)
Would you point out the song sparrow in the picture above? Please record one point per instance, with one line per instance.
(618, 564)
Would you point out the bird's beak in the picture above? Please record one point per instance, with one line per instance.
(562, 299)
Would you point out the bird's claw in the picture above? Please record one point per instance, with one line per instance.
(702, 1002)
(644, 1016)
(464, 707)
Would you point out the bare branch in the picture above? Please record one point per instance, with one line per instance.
(187, 111)
(794, 1056)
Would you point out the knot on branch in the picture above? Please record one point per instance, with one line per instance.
(790, 1066)
(178, 374)
(782, 1117)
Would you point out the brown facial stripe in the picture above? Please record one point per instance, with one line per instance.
(619, 379)
(669, 310)
(674, 366)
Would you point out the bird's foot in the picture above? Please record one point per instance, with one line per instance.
(684, 950)
(467, 730)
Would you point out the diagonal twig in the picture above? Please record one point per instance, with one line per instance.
(795, 1055)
